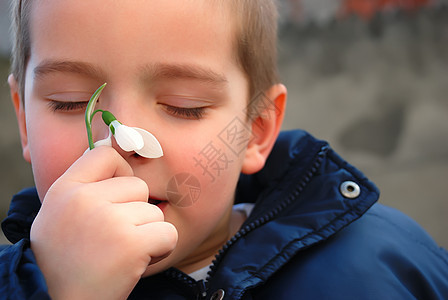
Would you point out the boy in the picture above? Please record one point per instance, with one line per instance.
(201, 76)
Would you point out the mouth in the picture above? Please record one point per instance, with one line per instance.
(154, 201)
(157, 202)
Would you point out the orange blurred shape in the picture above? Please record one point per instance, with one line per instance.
(366, 9)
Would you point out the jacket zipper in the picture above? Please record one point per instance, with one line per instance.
(269, 216)
(198, 287)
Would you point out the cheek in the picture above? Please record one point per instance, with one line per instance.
(207, 160)
(210, 169)
(213, 155)
(54, 146)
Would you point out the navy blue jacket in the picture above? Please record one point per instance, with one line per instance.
(310, 236)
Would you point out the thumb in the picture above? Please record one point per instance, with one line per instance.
(99, 164)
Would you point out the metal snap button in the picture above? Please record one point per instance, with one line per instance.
(218, 295)
(350, 189)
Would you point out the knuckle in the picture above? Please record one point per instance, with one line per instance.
(157, 213)
(82, 196)
(141, 187)
(104, 150)
(169, 234)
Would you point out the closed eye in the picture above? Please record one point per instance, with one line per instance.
(67, 106)
(190, 113)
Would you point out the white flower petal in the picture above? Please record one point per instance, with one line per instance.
(104, 142)
(127, 138)
(152, 148)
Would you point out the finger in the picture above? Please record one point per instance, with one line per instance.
(98, 164)
(139, 213)
(159, 238)
(121, 189)
(156, 259)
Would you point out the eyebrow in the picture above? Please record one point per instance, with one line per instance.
(151, 72)
(154, 72)
(82, 68)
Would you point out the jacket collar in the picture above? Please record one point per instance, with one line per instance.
(298, 204)
(22, 211)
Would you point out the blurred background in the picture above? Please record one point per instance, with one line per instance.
(369, 76)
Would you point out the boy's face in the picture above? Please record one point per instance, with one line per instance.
(171, 69)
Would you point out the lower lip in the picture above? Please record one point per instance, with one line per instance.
(162, 205)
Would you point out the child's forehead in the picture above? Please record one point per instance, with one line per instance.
(122, 15)
(189, 22)
(207, 7)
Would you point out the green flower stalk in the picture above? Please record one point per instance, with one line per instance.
(90, 113)
(128, 138)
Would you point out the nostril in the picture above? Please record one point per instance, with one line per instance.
(136, 155)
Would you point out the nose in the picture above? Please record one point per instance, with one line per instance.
(124, 103)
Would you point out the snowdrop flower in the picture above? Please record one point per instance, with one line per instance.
(133, 138)
(128, 138)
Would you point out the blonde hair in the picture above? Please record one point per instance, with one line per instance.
(21, 41)
(256, 41)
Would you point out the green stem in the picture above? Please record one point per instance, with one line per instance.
(89, 114)
(93, 114)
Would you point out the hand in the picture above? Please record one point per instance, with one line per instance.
(96, 233)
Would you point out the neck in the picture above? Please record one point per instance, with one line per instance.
(206, 253)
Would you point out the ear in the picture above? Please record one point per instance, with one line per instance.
(268, 112)
(20, 114)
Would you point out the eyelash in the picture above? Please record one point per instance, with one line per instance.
(66, 106)
(194, 113)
